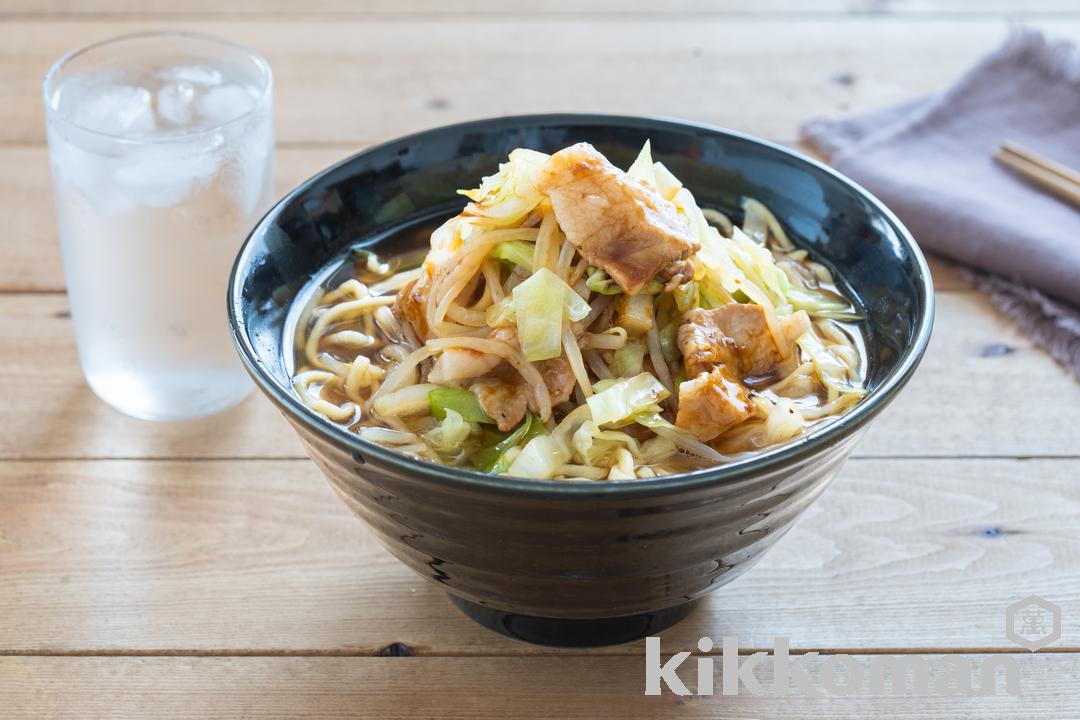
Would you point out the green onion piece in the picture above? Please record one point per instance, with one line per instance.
(515, 252)
(536, 428)
(599, 282)
(481, 447)
(463, 402)
(493, 459)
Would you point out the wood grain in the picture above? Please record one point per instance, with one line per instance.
(31, 250)
(473, 689)
(481, 9)
(357, 81)
(260, 557)
(983, 390)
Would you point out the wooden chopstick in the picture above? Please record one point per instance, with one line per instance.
(1051, 176)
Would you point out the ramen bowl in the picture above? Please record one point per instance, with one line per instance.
(576, 563)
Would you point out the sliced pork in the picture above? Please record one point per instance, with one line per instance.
(737, 336)
(711, 403)
(616, 222)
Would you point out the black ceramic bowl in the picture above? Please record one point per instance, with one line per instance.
(590, 562)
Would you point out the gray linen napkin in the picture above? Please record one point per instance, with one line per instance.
(931, 161)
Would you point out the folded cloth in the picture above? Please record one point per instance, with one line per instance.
(931, 161)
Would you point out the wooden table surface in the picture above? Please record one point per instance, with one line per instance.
(206, 569)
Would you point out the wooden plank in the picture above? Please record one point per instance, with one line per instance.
(358, 81)
(964, 401)
(47, 382)
(981, 390)
(486, 8)
(31, 251)
(484, 688)
(261, 557)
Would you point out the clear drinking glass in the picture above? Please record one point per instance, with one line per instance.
(161, 146)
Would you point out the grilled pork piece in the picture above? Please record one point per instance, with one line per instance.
(711, 403)
(504, 400)
(615, 221)
(737, 336)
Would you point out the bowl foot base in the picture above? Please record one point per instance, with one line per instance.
(565, 632)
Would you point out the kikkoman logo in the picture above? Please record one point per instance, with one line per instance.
(1032, 623)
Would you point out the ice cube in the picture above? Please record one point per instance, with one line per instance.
(196, 74)
(160, 175)
(124, 110)
(89, 174)
(224, 103)
(176, 102)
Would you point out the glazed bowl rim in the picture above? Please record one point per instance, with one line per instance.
(787, 454)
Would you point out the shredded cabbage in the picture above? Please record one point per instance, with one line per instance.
(654, 174)
(683, 438)
(642, 168)
(687, 296)
(833, 372)
(506, 197)
(516, 252)
(540, 304)
(759, 265)
(739, 266)
(783, 422)
(656, 449)
(541, 459)
(450, 433)
(669, 341)
(667, 184)
(628, 359)
(626, 398)
(597, 447)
